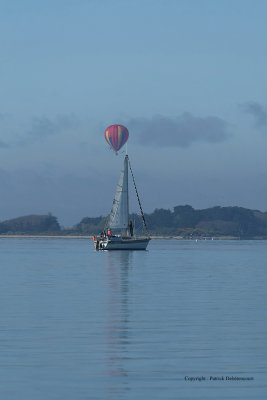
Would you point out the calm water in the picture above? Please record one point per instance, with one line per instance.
(79, 324)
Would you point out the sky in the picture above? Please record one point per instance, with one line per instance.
(187, 78)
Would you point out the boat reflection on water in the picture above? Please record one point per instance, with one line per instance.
(120, 258)
(118, 324)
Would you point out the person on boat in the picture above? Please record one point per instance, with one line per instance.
(103, 234)
(131, 228)
(109, 232)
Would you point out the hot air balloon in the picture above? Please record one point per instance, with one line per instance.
(116, 136)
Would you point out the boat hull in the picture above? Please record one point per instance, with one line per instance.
(122, 244)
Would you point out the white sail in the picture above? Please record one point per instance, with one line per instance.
(119, 215)
(119, 219)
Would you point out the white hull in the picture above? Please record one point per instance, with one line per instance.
(122, 244)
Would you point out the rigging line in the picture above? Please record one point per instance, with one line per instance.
(138, 198)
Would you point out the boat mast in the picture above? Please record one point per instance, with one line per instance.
(124, 231)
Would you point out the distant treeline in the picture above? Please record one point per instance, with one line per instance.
(182, 221)
(31, 225)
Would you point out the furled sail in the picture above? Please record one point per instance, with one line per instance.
(119, 215)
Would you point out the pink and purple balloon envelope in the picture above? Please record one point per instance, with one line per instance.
(116, 136)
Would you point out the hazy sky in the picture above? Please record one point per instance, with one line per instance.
(187, 77)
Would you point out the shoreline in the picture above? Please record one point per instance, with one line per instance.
(152, 237)
(46, 237)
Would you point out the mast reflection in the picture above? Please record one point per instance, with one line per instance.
(118, 331)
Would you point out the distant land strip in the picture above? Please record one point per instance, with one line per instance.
(182, 222)
(91, 236)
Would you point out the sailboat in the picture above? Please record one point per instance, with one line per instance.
(119, 231)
